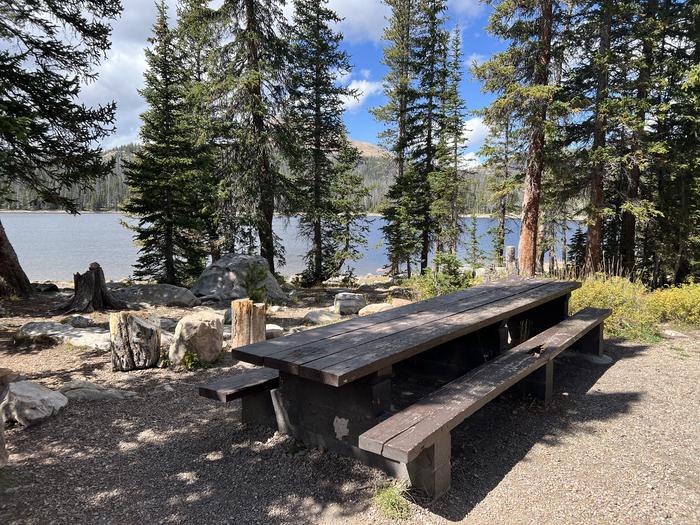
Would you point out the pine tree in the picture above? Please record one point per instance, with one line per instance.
(504, 157)
(520, 76)
(447, 184)
(48, 139)
(426, 117)
(197, 40)
(159, 177)
(315, 116)
(250, 89)
(399, 232)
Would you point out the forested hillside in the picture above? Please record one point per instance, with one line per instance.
(375, 168)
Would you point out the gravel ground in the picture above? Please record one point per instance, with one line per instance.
(619, 445)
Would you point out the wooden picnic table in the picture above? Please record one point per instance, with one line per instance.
(335, 380)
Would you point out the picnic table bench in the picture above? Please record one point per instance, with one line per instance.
(331, 386)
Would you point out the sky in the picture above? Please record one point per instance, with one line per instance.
(121, 74)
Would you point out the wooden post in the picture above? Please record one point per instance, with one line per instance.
(248, 322)
(511, 262)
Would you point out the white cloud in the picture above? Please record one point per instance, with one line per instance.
(476, 132)
(362, 21)
(365, 89)
(476, 58)
(468, 8)
(470, 160)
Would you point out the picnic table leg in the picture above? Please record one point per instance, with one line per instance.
(257, 409)
(431, 471)
(592, 342)
(331, 417)
(540, 383)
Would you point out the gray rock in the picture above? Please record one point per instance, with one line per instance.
(77, 321)
(55, 333)
(45, 287)
(225, 278)
(375, 308)
(167, 324)
(272, 331)
(157, 294)
(321, 317)
(29, 403)
(347, 303)
(201, 333)
(228, 316)
(86, 391)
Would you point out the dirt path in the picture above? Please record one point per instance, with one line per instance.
(621, 445)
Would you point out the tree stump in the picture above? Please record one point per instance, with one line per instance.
(248, 322)
(135, 342)
(91, 292)
(511, 262)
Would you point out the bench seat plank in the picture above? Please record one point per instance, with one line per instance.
(239, 385)
(405, 435)
(343, 367)
(257, 353)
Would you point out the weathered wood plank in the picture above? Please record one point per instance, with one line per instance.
(290, 360)
(403, 436)
(255, 353)
(239, 385)
(344, 367)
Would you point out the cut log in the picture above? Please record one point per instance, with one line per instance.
(248, 322)
(91, 292)
(135, 342)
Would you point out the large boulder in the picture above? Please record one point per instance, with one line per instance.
(347, 303)
(157, 294)
(86, 391)
(374, 308)
(323, 316)
(135, 341)
(92, 338)
(200, 333)
(225, 279)
(29, 403)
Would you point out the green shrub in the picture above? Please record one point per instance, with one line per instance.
(254, 283)
(190, 361)
(632, 316)
(679, 304)
(391, 501)
(447, 277)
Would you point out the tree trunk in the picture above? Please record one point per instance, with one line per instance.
(594, 246)
(90, 292)
(527, 245)
(11, 273)
(135, 342)
(248, 321)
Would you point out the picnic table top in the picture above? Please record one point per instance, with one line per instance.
(343, 352)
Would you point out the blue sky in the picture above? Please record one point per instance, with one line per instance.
(122, 73)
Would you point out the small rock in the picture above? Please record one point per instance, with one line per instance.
(86, 391)
(167, 387)
(347, 303)
(321, 317)
(29, 403)
(273, 331)
(398, 301)
(375, 308)
(201, 333)
(275, 308)
(45, 287)
(77, 321)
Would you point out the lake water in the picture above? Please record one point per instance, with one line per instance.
(53, 246)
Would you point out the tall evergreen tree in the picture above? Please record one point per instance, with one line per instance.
(401, 236)
(315, 116)
(447, 184)
(520, 76)
(250, 89)
(197, 40)
(159, 177)
(426, 117)
(48, 140)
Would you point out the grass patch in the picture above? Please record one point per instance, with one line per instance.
(391, 501)
(190, 362)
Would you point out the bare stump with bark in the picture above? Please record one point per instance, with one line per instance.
(91, 292)
(135, 342)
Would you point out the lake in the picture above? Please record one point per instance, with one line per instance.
(53, 246)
